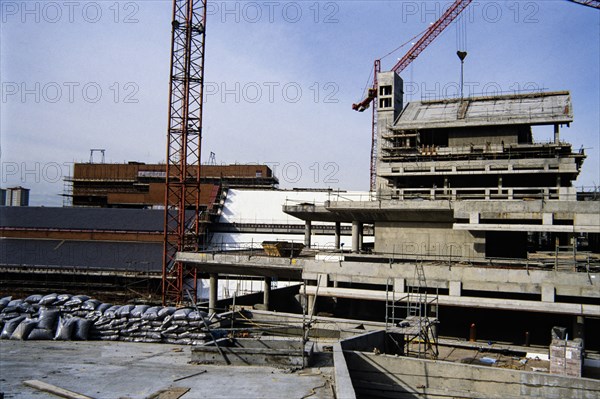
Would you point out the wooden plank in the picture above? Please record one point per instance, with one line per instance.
(170, 393)
(53, 389)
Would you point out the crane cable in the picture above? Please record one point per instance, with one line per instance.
(461, 33)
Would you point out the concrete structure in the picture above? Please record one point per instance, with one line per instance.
(377, 373)
(251, 216)
(454, 177)
(120, 369)
(15, 196)
(465, 190)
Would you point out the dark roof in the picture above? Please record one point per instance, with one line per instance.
(82, 218)
(106, 255)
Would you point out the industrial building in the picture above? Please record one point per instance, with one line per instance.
(140, 185)
(14, 196)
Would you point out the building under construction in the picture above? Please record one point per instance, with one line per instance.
(464, 197)
(140, 185)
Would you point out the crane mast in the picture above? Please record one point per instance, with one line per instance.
(182, 223)
(429, 36)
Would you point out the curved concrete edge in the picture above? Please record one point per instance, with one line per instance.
(343, 383)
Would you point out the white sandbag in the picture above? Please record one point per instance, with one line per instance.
(40, 334)
(33, 299)
(139, 310)
(124, 311)
(48, 300)
(10, 327)
(24, 329)
(48, 319)
(181, 314)
(82, 329)
(64, 331)
(90, 304)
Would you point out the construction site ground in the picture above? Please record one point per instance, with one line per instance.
(100, 369)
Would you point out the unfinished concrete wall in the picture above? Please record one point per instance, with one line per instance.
(432, 239)
(379, 376)
(389, 104)
(482, 136)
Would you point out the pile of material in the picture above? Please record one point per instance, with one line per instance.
(66, 317)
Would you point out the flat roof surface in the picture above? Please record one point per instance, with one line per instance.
(109, 255)
(512, 109)
(111, 370)
(151, 220)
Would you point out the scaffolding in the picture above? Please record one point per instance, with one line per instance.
(414, 315)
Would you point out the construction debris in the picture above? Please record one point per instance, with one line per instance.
(53, 389)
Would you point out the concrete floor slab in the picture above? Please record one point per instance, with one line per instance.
(136, 370)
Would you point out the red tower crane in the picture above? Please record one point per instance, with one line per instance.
(182, 221)
(429, 36)
(590, 3)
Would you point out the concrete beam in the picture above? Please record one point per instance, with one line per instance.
(526, 227)
(470, 302)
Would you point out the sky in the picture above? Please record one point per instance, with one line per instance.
(281, 77)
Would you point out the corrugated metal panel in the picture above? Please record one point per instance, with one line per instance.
(82, 218)
(82, 254)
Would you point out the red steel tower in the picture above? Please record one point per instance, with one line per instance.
(183, 225)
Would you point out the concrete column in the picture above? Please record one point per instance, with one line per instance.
(579, 327)
(338, 234)
(474, 218)
(360, 237)
(307, 233)
(548, 293)
(355, 237)
(455, 288)
(267, 292)
(213, 293)
(399, 285)
(556, 134)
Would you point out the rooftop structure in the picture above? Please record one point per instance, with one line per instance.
(474, 148)
(139, 185)
(14, 196)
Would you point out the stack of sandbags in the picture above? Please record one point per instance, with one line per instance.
(41, 318)
(66, 317)
(143, 323)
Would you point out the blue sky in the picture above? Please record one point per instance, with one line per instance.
(281, 77)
